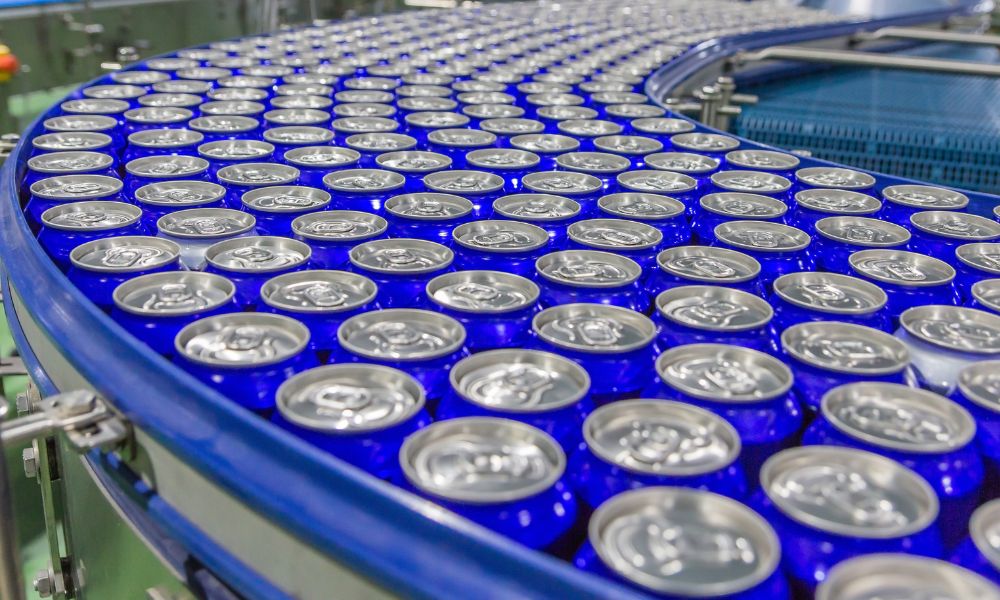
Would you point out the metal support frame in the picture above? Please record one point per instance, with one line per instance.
(929, 35)
(865, 59)
(714, 105)
(11, 581)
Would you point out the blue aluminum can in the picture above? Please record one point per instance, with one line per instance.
(750, 182)
(480, 187)
(583, 188)
(550, 212)
(456, 143)
(495, 307)
(509, 163)
(827, 354)
(693, 314)
(401, 267)
(980, 551)
(781, 163)
(633, 147)
(333, 233)
(723, 207)
(241, 178)
(750, 389)
(706, 265)
(662, 212)
(574, 276)
(837, 238)
(426, 215)
(154, 169)
(230, 152)
(370, 145)
(55, 164)
(943, 340)
(362, 189)
(696, 166)
(358, 413)
(162, 198)
(588, 130)
(277, 207)
(837, 178)
(67, 226)
(884, 575)
(99, 266)
(502, 474)
(250, 261)
(86, 123)
(634, 444)
(422, 343)
(196, 229)
(155, 307)
(499, 245)
(606, 167)
(63, 189)
(82, 141)
(976, 262)
(632, 239)
(537, 388)
(779, 249)
(678, 186)
(941, 232)
(614, 345)
(216, 127)
(903, 201)
(628, 537)
(286, 138)
(245, 356)
(713, 145)
(413, 165)
(162, 142)
(908, 279)
(985, 295)
(811, 296)
(315, 162)
(319, 299)
(814, 204)
(832, 503)
(921, 430)
(978, 390)
(152, 117)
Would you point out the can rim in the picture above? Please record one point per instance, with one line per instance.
(322, 198)
(865, 181)
(719, 179)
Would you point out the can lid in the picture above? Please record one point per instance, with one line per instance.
(464, 182)
(349, 399)
(588, 269)
(380, 141)
(71, 140)
(321, 157)
(302, 101)
(413, 161)
(364, 125)
(80, 123)
(91, 215)
(424, 103)
(979, 382)
(173, 293)
(124, 254)
(363, 181)
(158, 114)
(656, 182)
(704, 142)
(750, 181)
(682, 162)
(898, 417)
(628, 145)
(205, 223)
(482, 460)
(502, 236)
(983, 256)
(984, 527)
(840, 202)
(724, 373)
(835, 177)
(594, 328)
(257, 174)
(296, 116)
(95, 106)
(708, 264)
(166, 167)
(662, 125)
(257, 254)
(635, 111)
(614, 234)
(224, 124)
(830, 293)
(286, 199)
(589, 128)
(743, 205)
(177, 194)
(502, 159)
(161, 99)
(898, 575)
(401, 334)
(138, 77)
(553, 98)
(165, 138)
(236, 150)
(461, 138)
(428, 206)
(762, 236)
(298, 134)
(925, 197)
(401, 256)
(482, 292)
(492, 111)
(69, 162)
(368, 96)
(593, 162)
(318, 291)
(242, 340)
(862, 231)
(519, 381)
(699, 556)
(640, 206)
(423, 90)
(902, 268)
(536, 207)
(364, 109)
(170, 63)
(435, 119)
(954, 327)
(956, 225)
(762, 160)
(714, 308)
(545, 143)
(564, 183)
(845, 348)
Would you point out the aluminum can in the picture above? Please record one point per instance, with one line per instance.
(507, 127)
(837, 178)
(943, 340)
(420, 124)
(99, 266)
(921, 430)
(86, 123)
(245, 356)
(941, 232)
(626, 113)
(55, 164)
(714, 145)
(903, 201)
(978, 390)
(678, 186)
(548, 211)
(426, 215)
(625, 544)
(837, 238)
(614, 345)
(552, 116)
(833, 503)
(778, 248)
(162, 142)
(782, 163)
(370, 145)
(888, 574)
(975, 262)
(662, 212)
(633, 147)
(908, 279)
(455, 143)
(631, 239)
(750, 182)
(239, 179)
(362, 189)
(96, 106)
(229, 152)
(413, 104)
(153, 169)
(319, 299)
(154, 117)
(750, 389)
(588, 130)
(480, 187)
(64, 189)
(548, 146)
(697, 166)
(502, 474)
(591, 276)
(811, 296)
(478, 113)
(294, 136)
(315, 162)
(985, 295)
(602, 165)
(75, 141)
(708, 265)
(401, 267)
(250, 261)
(509, 163)
(413, 165)
(66, 226)
(226, 127)
(980, 551)
(500, 245)
(276, 207)
(660, 128)
(359, 413)
(162, 198)
(422, 343)
(814, 204)
(305, 117)
(155, 307)
(722, 207)
(195, 229)
(333, 233)
(693, 314)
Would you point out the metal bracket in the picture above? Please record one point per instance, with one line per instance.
(714, 105)
(929, 35)
(11, 366)
(85, 418)
(864, 59)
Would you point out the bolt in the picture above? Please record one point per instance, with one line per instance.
(30, 460)
(43, 583)
(23, 404)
